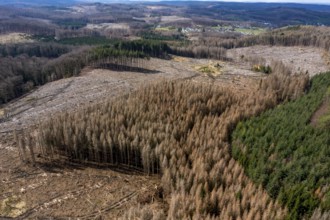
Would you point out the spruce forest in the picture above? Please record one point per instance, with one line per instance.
(163, 111)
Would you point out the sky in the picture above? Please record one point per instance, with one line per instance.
(295, 1)
(279, 1)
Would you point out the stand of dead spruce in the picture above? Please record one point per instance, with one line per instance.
(181, 131)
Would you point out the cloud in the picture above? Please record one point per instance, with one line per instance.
(267, 1)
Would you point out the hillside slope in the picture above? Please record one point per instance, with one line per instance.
(284, 153)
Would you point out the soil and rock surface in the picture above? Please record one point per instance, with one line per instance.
(298, 59)
(84, 191)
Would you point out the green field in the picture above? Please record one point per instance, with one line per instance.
(165, 28)
(251, 31)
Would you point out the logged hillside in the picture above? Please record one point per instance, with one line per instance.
(295, 36)
(281, 151)
(180, 130)
(287, 36)
(26, 66)
(198, 110)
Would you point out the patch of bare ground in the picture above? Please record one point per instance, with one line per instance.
(321, 111)
(83, 9)
(326, 58)
(166, 19)
(14, 38)
(174, 20)
(108, 26)
(157, 7)
(70, 190)
(299, 59)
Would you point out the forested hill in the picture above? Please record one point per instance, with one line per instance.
(250, 6)
(38, 2)
(276, 14)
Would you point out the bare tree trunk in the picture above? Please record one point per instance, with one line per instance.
(29, 143)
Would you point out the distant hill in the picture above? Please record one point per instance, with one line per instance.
(259, 6)
(37, 2)
(277, 14)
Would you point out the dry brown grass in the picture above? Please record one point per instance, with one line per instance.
(179, 59)
(2, 113)
(15, 38)
(326, 57)
(212, 69)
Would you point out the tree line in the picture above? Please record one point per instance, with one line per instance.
(200, 51)
(26, 26)
(118, 59)
(25, 66)
(149, 47)
(48, 50)
(24, 71)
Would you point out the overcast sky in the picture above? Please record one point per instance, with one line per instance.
(291, 1)
(296, 1)
(279, 1)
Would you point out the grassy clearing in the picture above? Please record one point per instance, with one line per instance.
(12, 207)
(210, 69)
(179, 59)
(250, 31)
(262, 69)
(242, 30)
(165, 28)
(14, 38)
